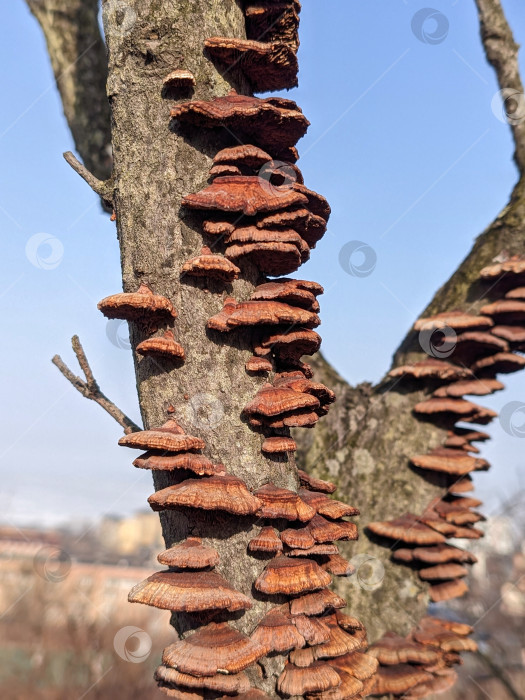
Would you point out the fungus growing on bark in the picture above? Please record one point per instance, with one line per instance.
(398, 679)
(136, 306)
(199, 464)
(190, 554)
(472, 345)
(244, 155)
(437, 554)
(309, 482)
(216, 648)
(211, 266)
(295, 292)
(278, 445)
(459, 321)
(327, 506)
(224, 171)
(274, 253)
(217, 228)
(258, 364)
(514, 335)
(450, 461)
(179, 78)
(274, 401)
(407, 528)
(455, 409)
(243, 195)
(169, 438)
(277, 633)
(500, 363)
(281, 503)
(267, 65)
(291, 576)
(296, 681)
(316, 603)
(474, 387)
(447, 590)
(266, 541)
(509, 272)
(392, 649)
(233, 683)
(261, 313)
(430, 368)
(227, 493)
(292, 343)
(273, 21)
(164, 346)
(506, 310)
(335, 564)
(193, 591)
(300, 538)
(323, 530)
(273, 124)
(314, 550)
(442, 572)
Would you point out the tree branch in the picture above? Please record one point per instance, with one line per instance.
(502, 54)
(90, 389)
(78, 59)
(104, 188)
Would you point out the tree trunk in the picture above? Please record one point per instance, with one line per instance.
(154, 167)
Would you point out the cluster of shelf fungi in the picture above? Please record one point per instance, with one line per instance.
(477, 348)
(256, 209)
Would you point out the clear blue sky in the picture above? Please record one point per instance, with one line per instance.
(403, 142)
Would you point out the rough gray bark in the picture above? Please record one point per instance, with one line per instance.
(78, 59)
(154, 167)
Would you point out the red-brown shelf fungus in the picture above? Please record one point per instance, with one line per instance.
(274, 123)
(164, 346)
(137, 306)
(266, 65)
(226, 493)
(210, 266)
(179, 78)
(189, 592)
(216, 648)
(189, 554)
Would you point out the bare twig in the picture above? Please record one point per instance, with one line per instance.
(499, 673)
(90, 389)
(502, 54)
(100, 187)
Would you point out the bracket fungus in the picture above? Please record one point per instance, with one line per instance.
(273, 21)
(227, 493)
(213, 649)
(220, 682)
(266, 541)
(278, 503)
(189, 592)
(164, 346)
(291, 576)
(266, 65)
(196, 463)
(296, 681)
(210, 266)
(168, 438)
(189, 554)
(273, 123)
(179, 78)
(137, 306)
